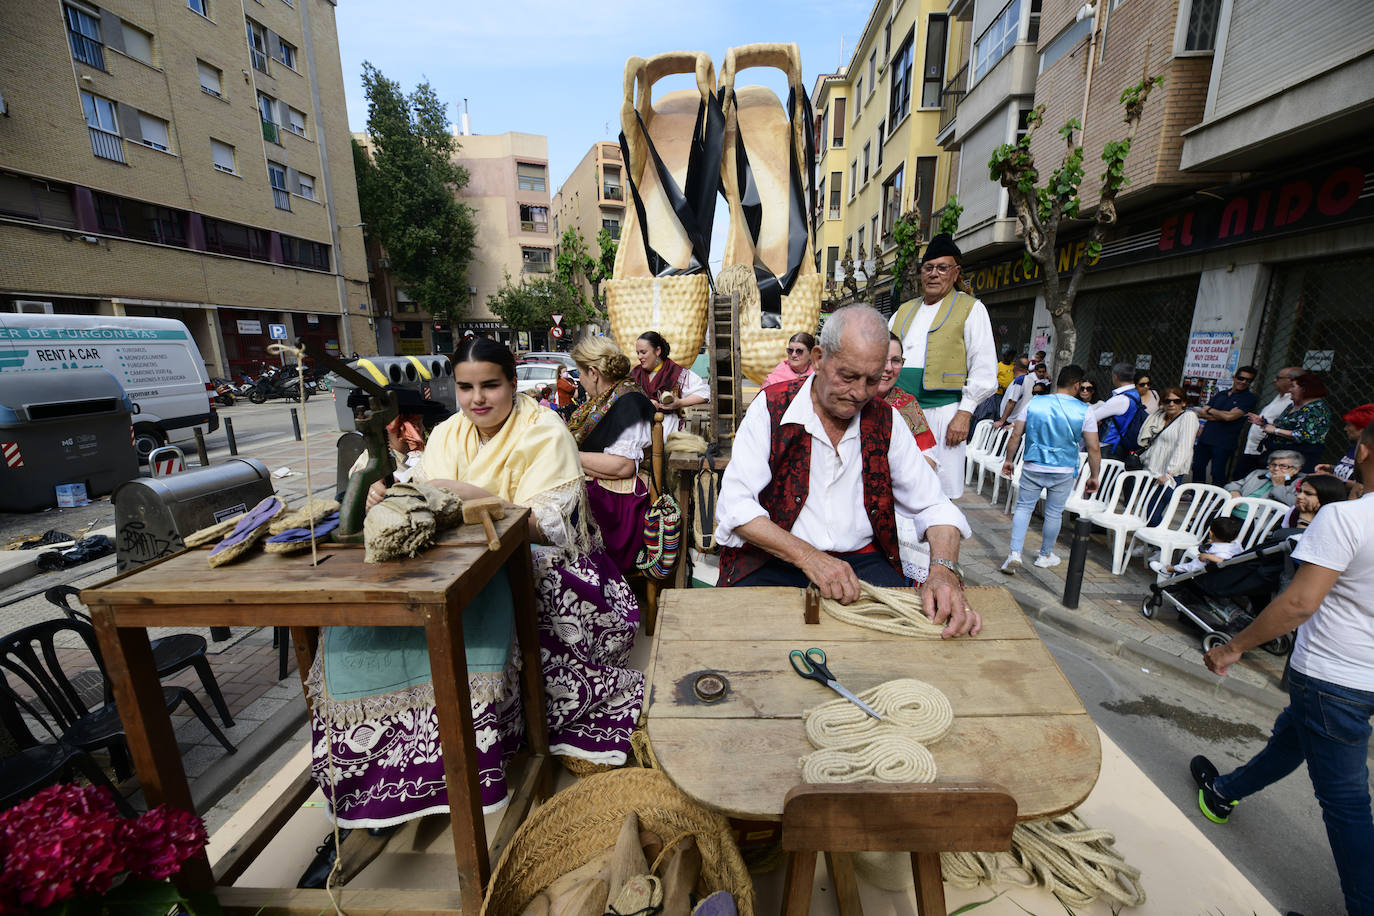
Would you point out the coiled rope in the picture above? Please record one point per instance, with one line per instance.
(888, 610)
(910, 708)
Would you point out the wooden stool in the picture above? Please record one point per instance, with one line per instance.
(924, 819)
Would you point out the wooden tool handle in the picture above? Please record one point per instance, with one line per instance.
(813, 605)
(493, 542)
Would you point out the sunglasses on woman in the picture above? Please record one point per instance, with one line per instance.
(1173, 400)
(795, 351)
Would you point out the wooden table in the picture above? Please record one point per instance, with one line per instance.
(1017, 721)
(429, 591)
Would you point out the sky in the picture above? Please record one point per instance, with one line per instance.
(557, 68)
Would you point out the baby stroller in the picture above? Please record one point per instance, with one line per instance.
(1224, 598)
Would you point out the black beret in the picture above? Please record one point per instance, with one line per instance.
(942, 246)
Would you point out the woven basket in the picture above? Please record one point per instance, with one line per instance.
(577, 823)
(760, 348)
(676, 307)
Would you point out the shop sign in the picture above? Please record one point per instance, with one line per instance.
(1208, 354)
(1105, 358)
(249, 327)
(1318, 360)
(312, 319)
(1012, 273)
(479, 325)
(410, 346)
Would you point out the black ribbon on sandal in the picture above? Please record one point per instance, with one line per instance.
(695, 209)
(771, 287)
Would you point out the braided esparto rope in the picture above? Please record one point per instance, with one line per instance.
(910, 708)
(888, 610)
(890, 757)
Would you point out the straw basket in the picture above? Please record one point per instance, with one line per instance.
(676, 307)
(760, 348)
(585, 819)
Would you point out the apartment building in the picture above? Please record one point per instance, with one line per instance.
(876, 152)
(508, 189)
(1247, 228)
(186, 159)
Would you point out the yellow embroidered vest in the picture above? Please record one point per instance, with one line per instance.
(946, 367)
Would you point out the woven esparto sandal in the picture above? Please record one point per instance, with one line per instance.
(766, 171)
(672, 151)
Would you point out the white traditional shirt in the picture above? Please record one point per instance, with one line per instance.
(1270, 412)
(833, 516)
(979, 346)
(691, 385)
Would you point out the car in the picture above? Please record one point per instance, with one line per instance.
(532, 376)
(547, 356)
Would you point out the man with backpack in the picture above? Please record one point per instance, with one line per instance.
(1122, 413)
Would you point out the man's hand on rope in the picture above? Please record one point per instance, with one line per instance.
(835, 578)
(942, 599)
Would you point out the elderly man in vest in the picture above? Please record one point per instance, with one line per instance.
(816, 479)
(950, 359)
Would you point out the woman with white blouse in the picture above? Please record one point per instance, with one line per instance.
(1168, 434)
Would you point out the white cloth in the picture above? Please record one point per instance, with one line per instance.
(691, 385)
(949, 458)
(1115, 405)
(832, 518)
(1336, 643)
(1170, 448)
(1014, 393)
(1270, 412)
(979, 346)
(631, 442)
(1223, 549)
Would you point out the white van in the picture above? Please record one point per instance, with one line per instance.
(155, 359)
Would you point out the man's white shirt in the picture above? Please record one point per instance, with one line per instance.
(978, 343)
(1115, 405)
(1270, 412)
(833, 517)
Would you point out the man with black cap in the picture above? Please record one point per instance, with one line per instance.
(949, 356)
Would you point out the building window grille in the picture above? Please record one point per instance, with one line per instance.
(84, 31)
(281, 198)
(1203, 17)
(103, 121)
(257, 45)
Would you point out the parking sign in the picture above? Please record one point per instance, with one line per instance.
(276, 331)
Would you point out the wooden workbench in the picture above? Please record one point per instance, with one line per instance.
(1017, 720)
(428, 591)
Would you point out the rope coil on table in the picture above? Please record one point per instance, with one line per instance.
(888, 610)
(910, 708)
(883, 758)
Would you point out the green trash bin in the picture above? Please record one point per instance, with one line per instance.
(71, 426)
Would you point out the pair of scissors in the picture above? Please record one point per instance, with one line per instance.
(811, 665)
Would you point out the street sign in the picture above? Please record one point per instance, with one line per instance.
(276, 331)
(557, 319)
(557, 333)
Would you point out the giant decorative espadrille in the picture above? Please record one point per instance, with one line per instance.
(672, 158)
(766, 170)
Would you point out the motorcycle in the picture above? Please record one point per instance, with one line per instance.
(278, 383)
(225, 391)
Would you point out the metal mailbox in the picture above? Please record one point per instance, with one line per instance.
(434, 373)
(153, 515)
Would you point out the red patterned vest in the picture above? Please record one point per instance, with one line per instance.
(789, 460)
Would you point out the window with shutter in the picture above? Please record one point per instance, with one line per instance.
(210, 79)
(296, 122)
(531, 177)
(155, 132)
(305, 186)
(138, 44)
(223, 155)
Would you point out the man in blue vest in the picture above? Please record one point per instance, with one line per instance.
(1053, 425)
(1119, 409)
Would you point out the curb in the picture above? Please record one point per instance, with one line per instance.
(225, 774)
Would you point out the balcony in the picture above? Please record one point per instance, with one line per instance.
(529, 225)
(612, 192)
(950, 97)
(270, 133)
(281, 199)
(87, 50)
(259, 59)
(610, 153)
(107, 145)
(834, 213)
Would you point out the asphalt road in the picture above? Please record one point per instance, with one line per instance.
(1275, 838)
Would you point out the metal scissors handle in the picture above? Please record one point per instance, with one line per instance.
(811, 665)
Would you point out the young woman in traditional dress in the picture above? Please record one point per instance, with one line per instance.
(612, 430)
(658, 375)
(374, 726)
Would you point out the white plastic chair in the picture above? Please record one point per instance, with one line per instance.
(1178, 530)
(1081, 505)
(997, 447)
(1014, 485)
(1261, 517)
(977, 446)
(997, 476)
(1130, 501)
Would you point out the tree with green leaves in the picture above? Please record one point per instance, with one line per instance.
(1043, 210)
(574, 264)
(407, 186)
(530, 304)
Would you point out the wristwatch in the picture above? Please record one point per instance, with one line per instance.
(951, 566)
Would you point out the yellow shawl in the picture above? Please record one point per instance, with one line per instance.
(531, 461)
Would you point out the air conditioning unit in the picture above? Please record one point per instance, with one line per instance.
(472, 290)
(33, 307)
